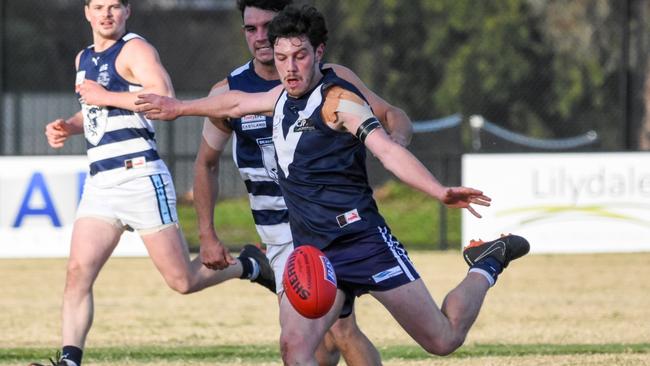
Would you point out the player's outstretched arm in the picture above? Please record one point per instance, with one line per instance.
(233, 104)
(411, 171)
(403, 164)
(395, 120)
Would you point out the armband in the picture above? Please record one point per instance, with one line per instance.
(367, 127)
(370, 122)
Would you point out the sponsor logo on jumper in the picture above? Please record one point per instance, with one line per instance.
(348, 217)
(134, 163)
(253, 125)
(95, 60)
(304, 125)
(253, 118)
(386, 274)
(253, 122)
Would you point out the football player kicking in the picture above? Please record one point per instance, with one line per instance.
(322, 126)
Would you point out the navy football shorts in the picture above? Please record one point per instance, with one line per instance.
(371, 261)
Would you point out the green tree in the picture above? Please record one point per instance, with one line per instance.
(545, 68)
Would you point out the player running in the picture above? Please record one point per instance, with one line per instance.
(129, 185)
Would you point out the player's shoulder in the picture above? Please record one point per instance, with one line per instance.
(340, 70)
(136, 43)
(241, 69)
(219, 87)
(339, 92)
(77, 58)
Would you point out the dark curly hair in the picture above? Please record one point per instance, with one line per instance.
(124, 2)
(272, 5)
(296, 22)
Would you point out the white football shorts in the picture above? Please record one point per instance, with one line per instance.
(277, 255)
(145, 204)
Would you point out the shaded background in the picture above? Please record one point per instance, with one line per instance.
(543, 75)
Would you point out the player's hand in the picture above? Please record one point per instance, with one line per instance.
(57, 132)
(214, 254)
(463, 197)
(92, 93)
(158, 107)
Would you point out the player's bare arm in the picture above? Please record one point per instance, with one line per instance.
(58, 131)
(138, 63)
(352, 114)
(394, 119)
(232, 104)
(215, 136)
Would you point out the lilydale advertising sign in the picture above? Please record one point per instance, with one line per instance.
(563, 203)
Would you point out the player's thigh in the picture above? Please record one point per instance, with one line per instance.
(413, 308)
(93, 241)
(168, 251)
(148, 205)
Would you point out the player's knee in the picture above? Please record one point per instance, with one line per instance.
(288, 349)
(293, 349)
(442, 347)
(181, 285)
(77, 278)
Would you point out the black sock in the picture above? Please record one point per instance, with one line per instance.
(72, 353)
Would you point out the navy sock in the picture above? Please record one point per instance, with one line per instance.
(72, 353)
(490, 266)
(246, 267)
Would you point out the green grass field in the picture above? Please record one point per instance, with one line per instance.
(545, 310)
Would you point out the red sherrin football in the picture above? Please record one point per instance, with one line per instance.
(309, 281)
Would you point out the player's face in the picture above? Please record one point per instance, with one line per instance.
(107, 18)
(256, 30)
(297, 63)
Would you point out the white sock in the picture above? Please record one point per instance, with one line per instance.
(256, 269)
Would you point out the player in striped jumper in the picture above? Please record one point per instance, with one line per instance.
(128, 185)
